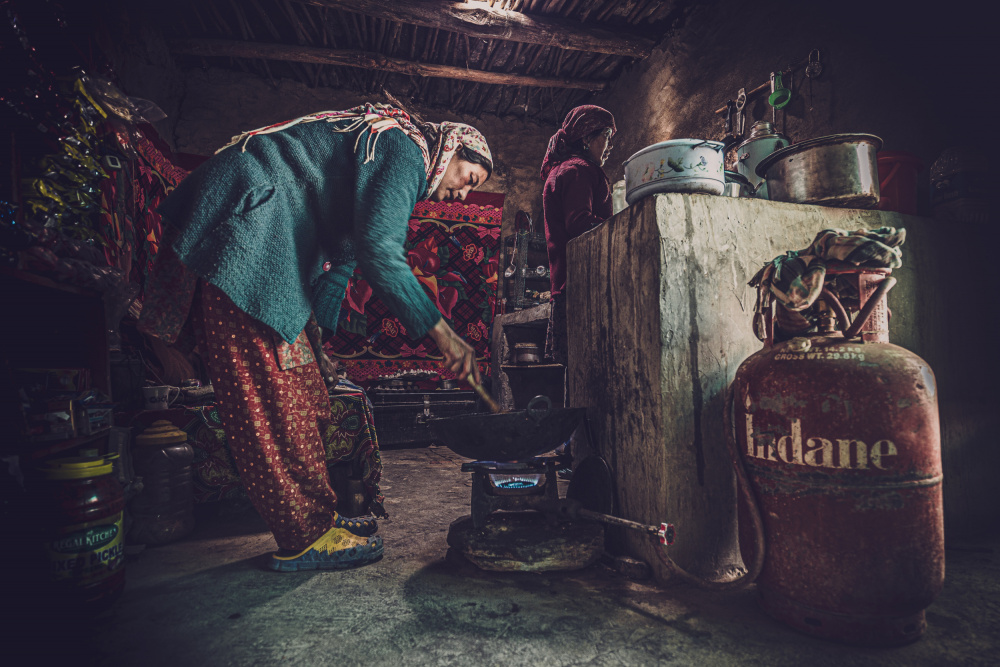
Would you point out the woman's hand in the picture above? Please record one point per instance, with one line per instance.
(459, 357)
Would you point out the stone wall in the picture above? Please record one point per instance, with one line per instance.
(660, 319)
(219, 104)
(917, 80)
(207, 106)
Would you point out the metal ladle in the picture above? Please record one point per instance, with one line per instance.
(509, 273)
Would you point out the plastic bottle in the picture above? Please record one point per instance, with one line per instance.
(164, 510)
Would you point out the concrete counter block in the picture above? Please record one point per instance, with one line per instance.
(660, 319)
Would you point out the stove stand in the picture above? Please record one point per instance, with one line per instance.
(523, 485)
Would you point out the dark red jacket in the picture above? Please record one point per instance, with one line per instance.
(576, 198)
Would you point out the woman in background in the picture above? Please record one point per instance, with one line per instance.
(262, 239)
(576, 198)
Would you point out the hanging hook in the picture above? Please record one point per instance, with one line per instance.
(814, 67)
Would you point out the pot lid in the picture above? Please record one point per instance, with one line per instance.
(161, 432)
(762, 129)
(76, 467)
(818, 142)
(736, 177)
(678, 143)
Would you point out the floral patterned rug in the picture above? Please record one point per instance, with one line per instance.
(453, 249)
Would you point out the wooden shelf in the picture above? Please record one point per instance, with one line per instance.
(530, 324)
(530, 276)
(530, 367)
(38, 279)
(53, 325)
(49, 324)
(537, 240)
(42, 449)
(531, 254)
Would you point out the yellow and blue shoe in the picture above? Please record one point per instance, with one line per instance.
(362, 525)
(337, 549)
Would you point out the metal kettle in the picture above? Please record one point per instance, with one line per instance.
(762, 141)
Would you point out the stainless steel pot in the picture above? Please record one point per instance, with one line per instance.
(678, 165)
(737, 185)
(839, 170)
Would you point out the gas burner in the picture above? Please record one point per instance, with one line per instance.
(556, 533)
(520, 485)
(515, 483)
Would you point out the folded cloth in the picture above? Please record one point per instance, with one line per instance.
(336, 549)
(345, 386)
(870, 248)
(796, 278)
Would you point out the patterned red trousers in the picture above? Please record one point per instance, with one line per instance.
(272, 420)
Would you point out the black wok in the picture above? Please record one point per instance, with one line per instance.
(508, 436)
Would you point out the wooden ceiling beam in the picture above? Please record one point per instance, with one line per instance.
(367, 60)
(481, 20)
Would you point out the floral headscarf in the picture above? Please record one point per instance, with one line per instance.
(381, 117)
(453, 135)
(580, 122)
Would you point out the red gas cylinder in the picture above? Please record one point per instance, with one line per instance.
(840, 440)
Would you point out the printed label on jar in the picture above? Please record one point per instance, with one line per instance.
(89, 552)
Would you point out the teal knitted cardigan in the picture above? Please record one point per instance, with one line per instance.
(281, 226)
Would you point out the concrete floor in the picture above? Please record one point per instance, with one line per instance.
(207, 600)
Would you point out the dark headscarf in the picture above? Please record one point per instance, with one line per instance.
(579, 123)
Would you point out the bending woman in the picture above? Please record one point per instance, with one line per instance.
(266, 233)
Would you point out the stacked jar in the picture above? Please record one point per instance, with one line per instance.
(79, 505)
(163, 511)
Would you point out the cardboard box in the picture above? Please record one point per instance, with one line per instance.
(52, 420)
(94, 419)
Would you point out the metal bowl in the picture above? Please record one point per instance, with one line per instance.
(839, 170)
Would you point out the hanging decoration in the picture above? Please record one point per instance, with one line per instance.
(93, 173)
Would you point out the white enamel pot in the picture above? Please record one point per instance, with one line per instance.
(678, 165)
